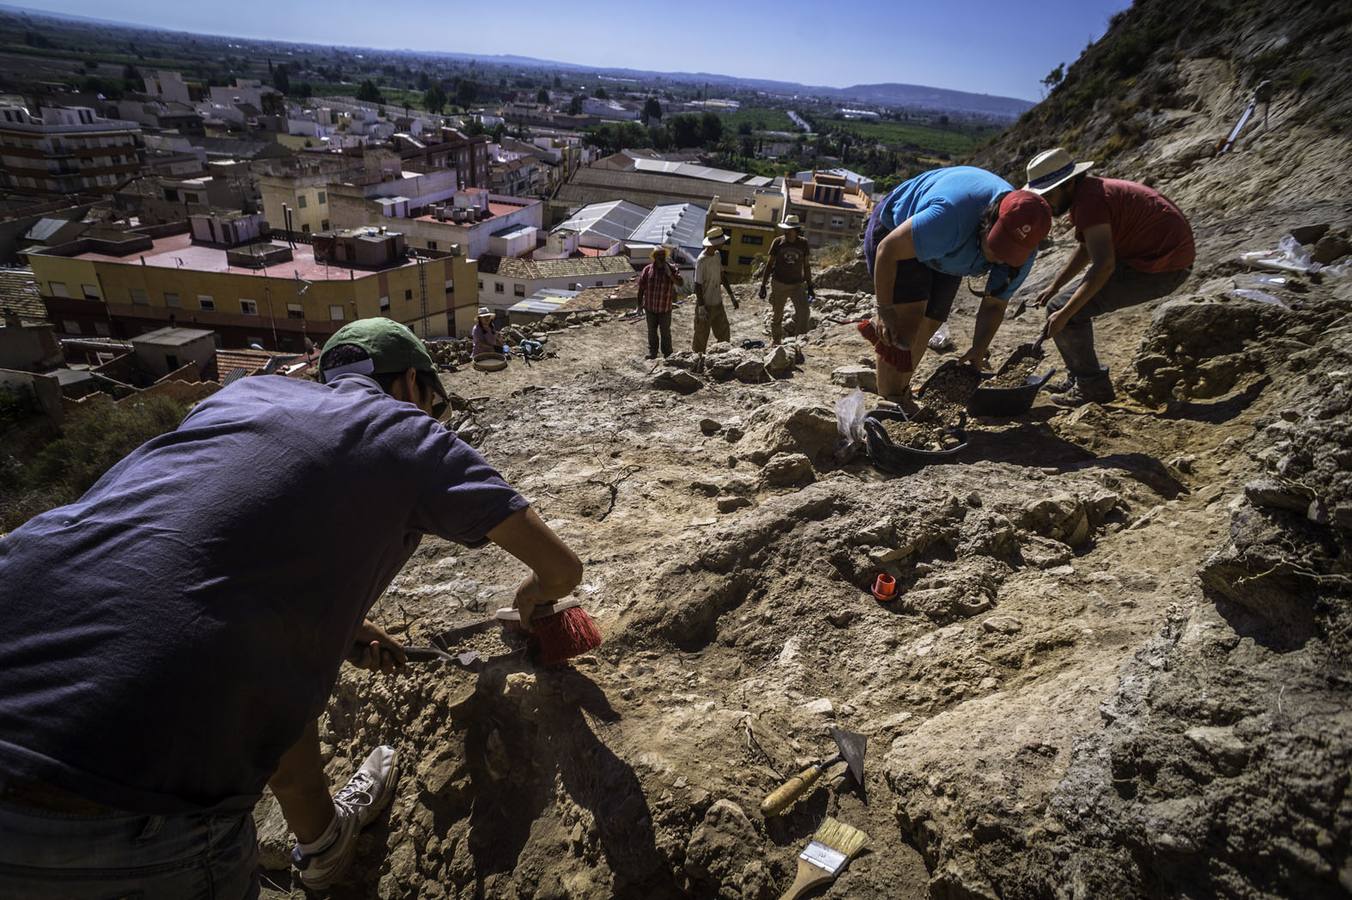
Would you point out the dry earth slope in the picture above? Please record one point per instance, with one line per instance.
(1120, 664)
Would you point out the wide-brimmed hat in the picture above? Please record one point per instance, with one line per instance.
(1051, 168)
(714, 237)
(790, 223)
(1024, 220)
(485, 311)
(658, 253)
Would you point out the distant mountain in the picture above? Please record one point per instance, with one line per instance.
(920, 97)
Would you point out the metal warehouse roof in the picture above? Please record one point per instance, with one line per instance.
(615, 220)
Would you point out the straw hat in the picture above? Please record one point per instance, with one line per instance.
(790, 223)
(485, 312)
(1051, 168)
(714, 237)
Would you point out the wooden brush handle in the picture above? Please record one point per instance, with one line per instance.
(808, 877)
(785, 795)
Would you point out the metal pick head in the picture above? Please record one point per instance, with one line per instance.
(852, 748)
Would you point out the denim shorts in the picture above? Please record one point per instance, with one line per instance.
(914, 282)
(124, 856)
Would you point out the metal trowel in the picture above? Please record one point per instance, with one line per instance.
(852, 747)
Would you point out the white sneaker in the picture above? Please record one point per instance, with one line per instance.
(361, 800)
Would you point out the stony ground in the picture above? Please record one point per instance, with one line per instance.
(1118, 667)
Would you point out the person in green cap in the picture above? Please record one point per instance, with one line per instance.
(196, 606)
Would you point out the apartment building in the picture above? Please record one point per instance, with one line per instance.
(219, 273)
(832, 208)
(750, 228)
(66, 150)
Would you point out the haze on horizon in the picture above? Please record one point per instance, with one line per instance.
(983, 46)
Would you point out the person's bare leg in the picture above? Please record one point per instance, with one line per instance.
(894, 384)
(302, 788)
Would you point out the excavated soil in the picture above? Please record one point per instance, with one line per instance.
(921, 435)
(1014, 376)
(1120, 659)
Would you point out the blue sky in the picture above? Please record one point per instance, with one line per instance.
(973, 45)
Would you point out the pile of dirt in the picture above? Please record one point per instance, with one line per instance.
(921, 435)
(1014, 376)
(947, 393)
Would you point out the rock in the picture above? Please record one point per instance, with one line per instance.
(720, 849)
(1002, 625)
(822, 706)
(1277, 493)
(684, 359)
(862, 377)
(710, 426)
(752, 371)
(1329, 248)
(788, 426)
(1309, 234)
(678, 380)
(779, 362)
(274, 835)
(787, 470)
(1221, 745)
(842, 617)
(729, 504)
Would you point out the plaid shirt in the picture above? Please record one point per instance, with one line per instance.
(657, 288)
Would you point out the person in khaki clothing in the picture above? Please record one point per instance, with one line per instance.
(710, 314)
(789, 274)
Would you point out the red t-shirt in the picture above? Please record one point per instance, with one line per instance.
(1150, 234)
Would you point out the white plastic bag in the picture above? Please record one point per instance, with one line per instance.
(940, 341)
(850, 412)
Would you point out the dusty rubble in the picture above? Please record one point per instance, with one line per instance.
(1117, 664)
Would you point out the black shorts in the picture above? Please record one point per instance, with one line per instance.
(915, 281)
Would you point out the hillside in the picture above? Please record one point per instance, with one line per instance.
(1121, 662)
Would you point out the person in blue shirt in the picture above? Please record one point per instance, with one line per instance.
(922, 239)
(172, 636)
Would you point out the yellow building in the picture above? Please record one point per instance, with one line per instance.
(749, 228)
(260, 292)
(306, 196)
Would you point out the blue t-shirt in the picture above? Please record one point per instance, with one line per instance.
(168, 636)
(945, 207)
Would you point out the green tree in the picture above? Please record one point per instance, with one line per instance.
(542, 97)
(281, 79)
(368, 91)
(558, 82)
(466, 90)
(711, 128)
(434, 98)
(1054, 77)
(305, 90)
(575, 105)
(601, 94)
(685, 130)
(652, 110)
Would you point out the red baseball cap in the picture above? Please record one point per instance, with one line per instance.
(1025, 218)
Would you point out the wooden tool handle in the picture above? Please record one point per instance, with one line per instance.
(784, 795)
(808, 877)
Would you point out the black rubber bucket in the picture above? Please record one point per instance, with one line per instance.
(895, 458)
(1015, 401)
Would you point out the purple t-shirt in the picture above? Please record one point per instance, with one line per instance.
(168, 636)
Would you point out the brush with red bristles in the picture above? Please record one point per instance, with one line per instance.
(559, 631)
(898, 358)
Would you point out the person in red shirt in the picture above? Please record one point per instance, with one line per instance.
(1138, 247)
(657, 285)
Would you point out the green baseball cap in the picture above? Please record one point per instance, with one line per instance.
(390, 348)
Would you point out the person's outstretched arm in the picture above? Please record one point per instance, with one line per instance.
(1098, 241)
(555, 569)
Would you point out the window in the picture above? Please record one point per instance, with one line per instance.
(481, 284)
(518, 290)
(324, 225)
(140, 297)
(837, 221)
(171, 299)
(746, 260)
(170, 362)
(295, 311)
(408, 294)
(189, 197)
(600, 284)
(431, 245)
(497, 287)
(753, 239)
(206, 302)
(91, 291)
(322, 198)
(58, 288)
(300, 201)
(384, 304)
(305, 228)
(248, 307)
(70, 326)
(101, 328)
(336, 313)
